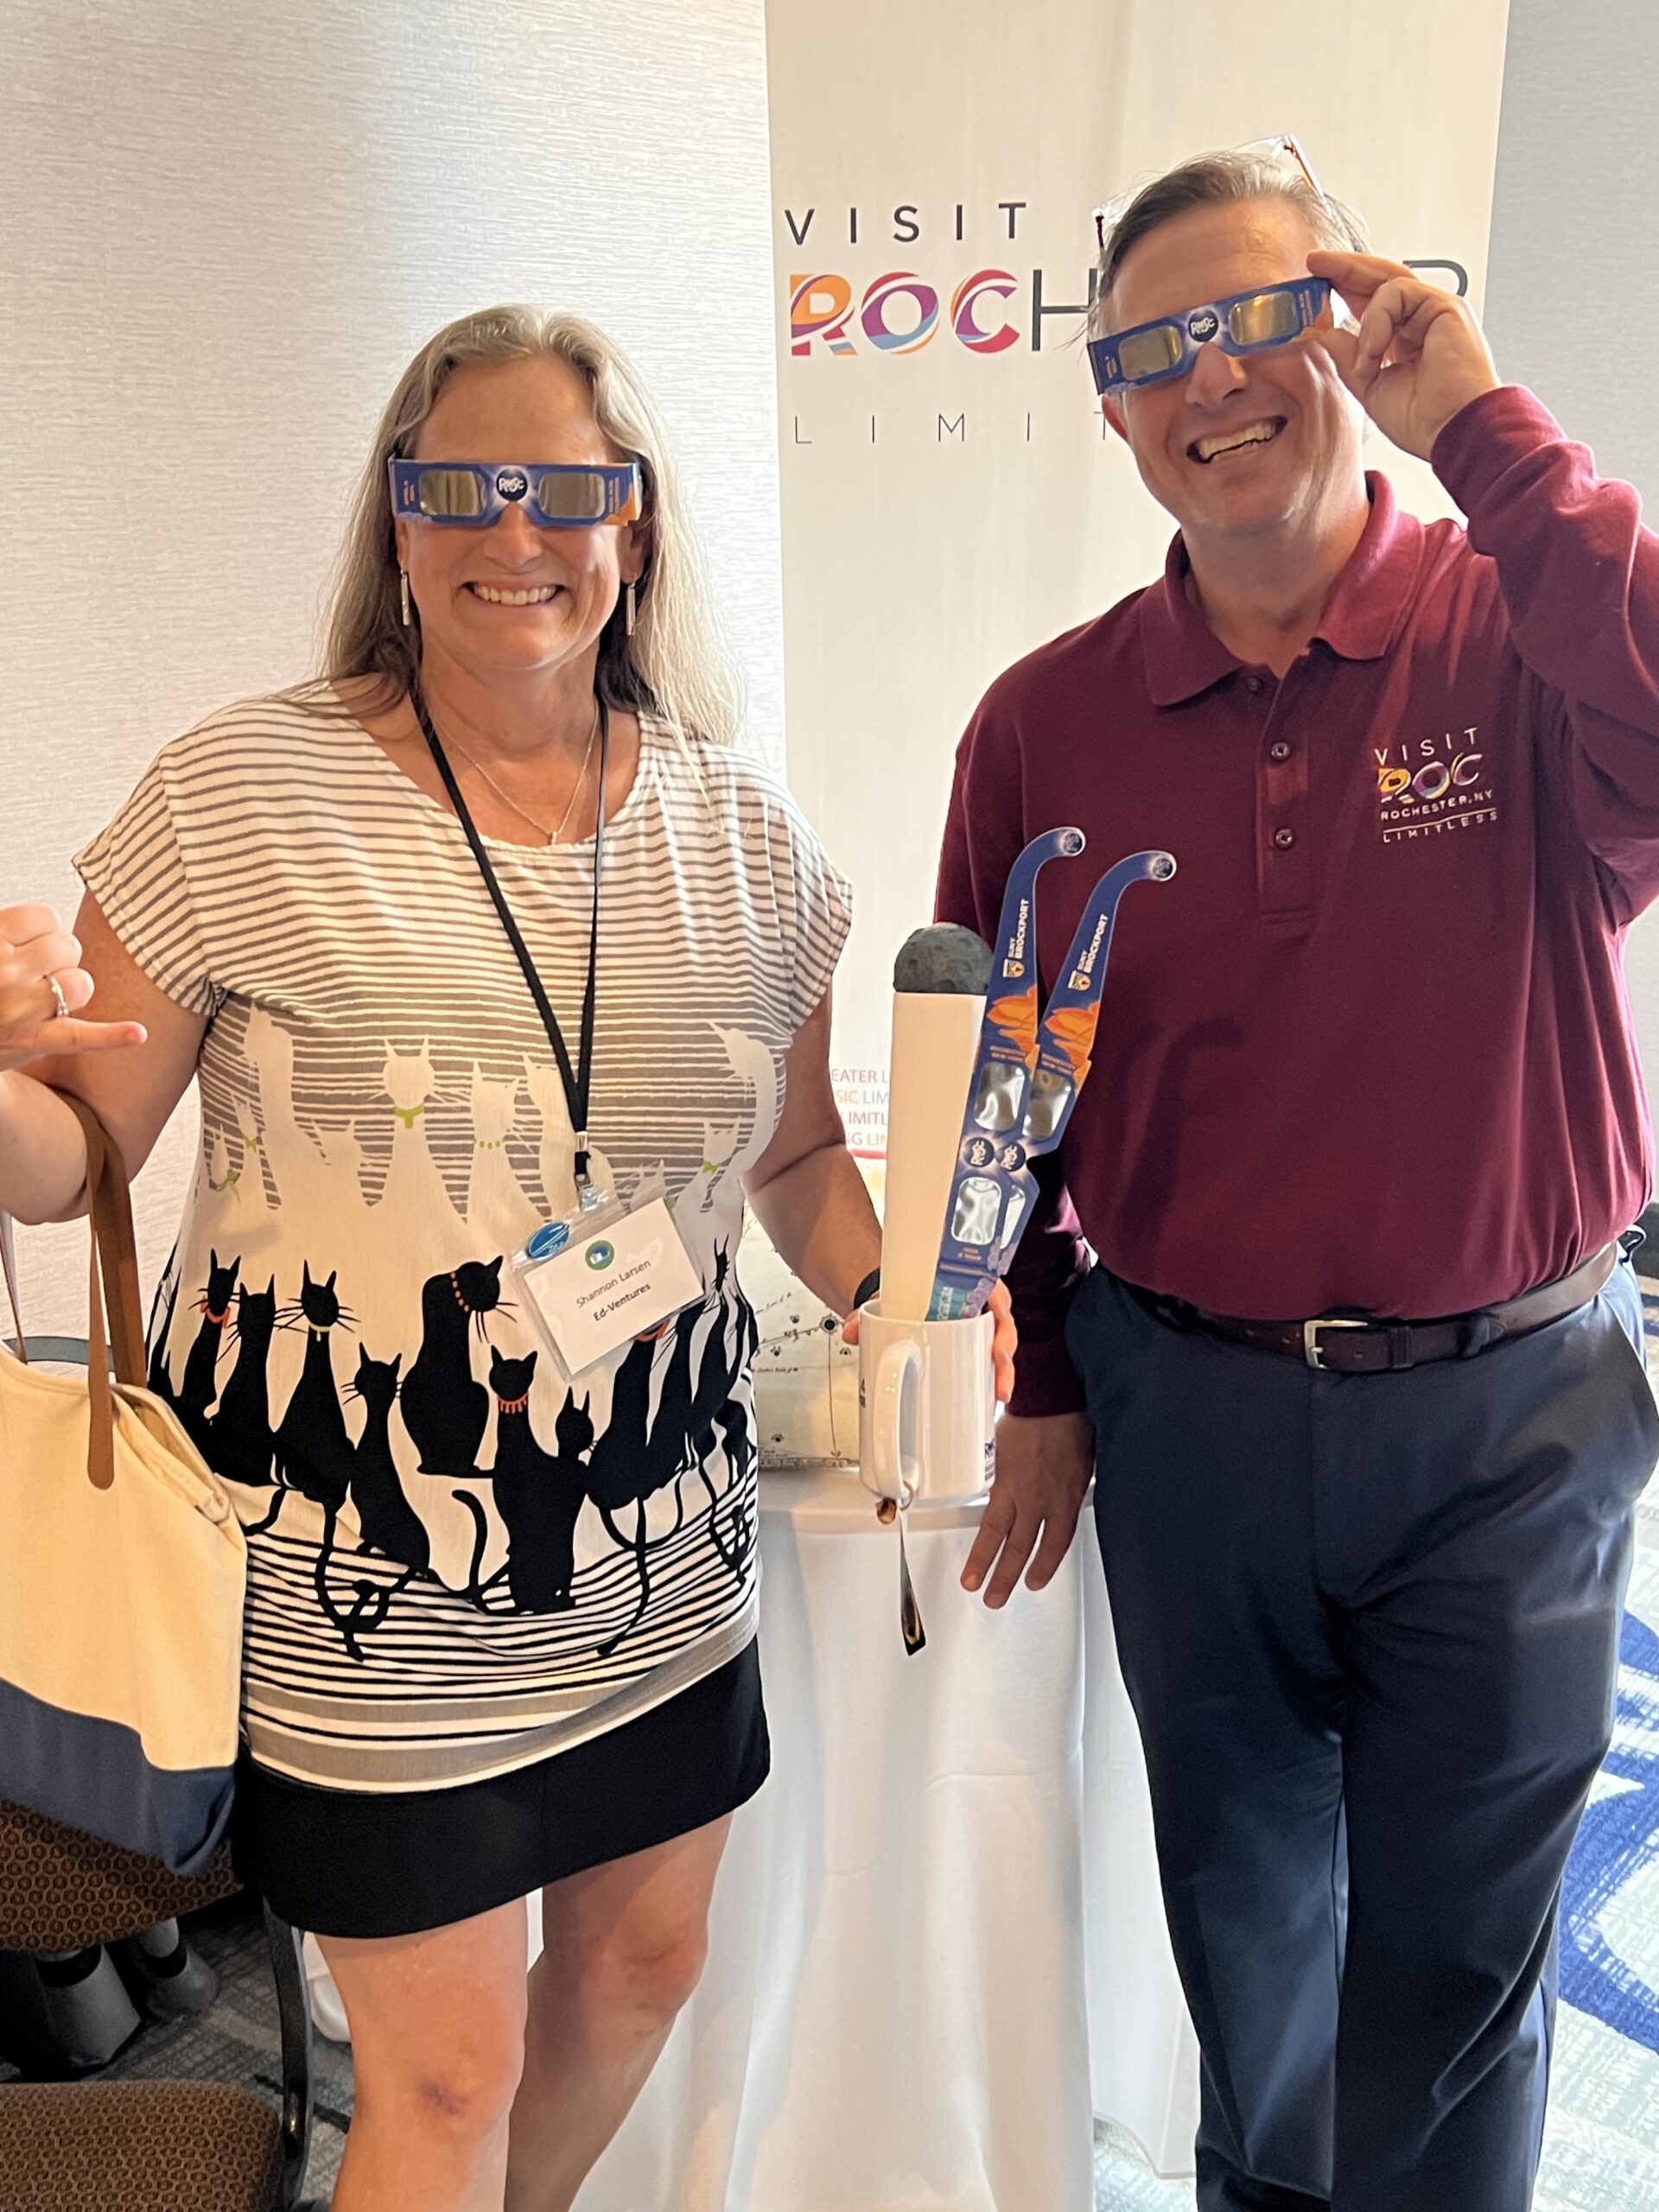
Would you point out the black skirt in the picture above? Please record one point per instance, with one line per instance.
(346, 1862)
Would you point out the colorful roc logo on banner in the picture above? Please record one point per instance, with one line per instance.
(897, 313)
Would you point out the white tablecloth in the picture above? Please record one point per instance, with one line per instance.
(936, 1949)
(1144, 2055)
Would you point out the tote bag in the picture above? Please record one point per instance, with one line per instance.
(122, 1568)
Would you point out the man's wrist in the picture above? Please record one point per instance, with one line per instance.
(1470, 398)
(1487, 436)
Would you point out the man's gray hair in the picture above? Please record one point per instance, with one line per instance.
(1213, 180)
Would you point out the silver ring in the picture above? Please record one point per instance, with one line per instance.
(62, 1003)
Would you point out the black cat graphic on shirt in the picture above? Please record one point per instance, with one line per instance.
(539, 1494)
(201, 1384)
(312, 1452)
(445, 1410)
(641, 1453)
(240, 1445)
(386, 1521)
(196, 1393)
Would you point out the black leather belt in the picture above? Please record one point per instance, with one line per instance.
(1367, 1347)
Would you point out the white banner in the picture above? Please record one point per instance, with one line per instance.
(950, 497)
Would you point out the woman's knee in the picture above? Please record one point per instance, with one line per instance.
(665, 1969)
(461, 2088)
(631, 1937)
(651, 1962)
(440, 2053)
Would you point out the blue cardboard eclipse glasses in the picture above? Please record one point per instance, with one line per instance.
(1248, 323)
(556, 495)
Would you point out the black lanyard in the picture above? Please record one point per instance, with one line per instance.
(578, 1082)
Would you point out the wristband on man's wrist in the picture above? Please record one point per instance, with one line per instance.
(867, 1289)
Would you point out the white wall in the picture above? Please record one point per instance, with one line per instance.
(224, 228)
(1572, 304)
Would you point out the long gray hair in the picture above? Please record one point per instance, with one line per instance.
(1211, 179)
(674, 665)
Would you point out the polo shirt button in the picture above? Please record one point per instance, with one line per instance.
(1284, 839)
(1253, 684)
(1279, 751)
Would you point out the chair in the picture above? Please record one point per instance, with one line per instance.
(141, 2146)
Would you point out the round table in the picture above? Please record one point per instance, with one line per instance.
(936, 1947)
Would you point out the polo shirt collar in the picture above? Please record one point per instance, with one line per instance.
(1362, 617)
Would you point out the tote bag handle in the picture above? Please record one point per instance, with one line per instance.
(9, 1268)
(112, 1289)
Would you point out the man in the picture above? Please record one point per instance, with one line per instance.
(1367, 1055)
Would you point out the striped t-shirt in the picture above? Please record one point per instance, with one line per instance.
(458, 1563)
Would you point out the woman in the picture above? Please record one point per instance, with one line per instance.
(501, 1624)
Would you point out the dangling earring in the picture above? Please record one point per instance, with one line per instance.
(402, 578)
(627, 612)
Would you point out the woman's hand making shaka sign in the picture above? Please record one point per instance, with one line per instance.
(43, 989)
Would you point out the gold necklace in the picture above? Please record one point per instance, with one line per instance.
(552, 836)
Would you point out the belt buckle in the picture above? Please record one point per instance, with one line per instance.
(1310, 1339)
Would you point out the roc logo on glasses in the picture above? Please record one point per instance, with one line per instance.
(1248, 323)
(561, 495)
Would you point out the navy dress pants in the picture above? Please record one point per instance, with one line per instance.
(1370, 1627)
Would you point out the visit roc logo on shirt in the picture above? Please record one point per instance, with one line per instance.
(1435, 783)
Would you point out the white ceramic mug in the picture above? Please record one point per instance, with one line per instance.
(926, 1407)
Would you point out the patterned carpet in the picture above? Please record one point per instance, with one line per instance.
(1601, 2147)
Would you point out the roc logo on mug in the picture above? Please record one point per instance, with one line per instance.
(600, 1256)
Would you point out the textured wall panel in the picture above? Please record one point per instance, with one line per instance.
(1575, 242)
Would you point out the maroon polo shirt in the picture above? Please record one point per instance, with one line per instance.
(1371, 1048)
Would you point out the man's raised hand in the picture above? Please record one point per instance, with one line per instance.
(1418, 357)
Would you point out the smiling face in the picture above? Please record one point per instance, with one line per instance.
(516, 599)
(1247, 445)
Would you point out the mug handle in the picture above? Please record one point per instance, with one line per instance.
(900, 1370)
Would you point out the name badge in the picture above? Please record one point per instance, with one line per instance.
(608, 1284)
